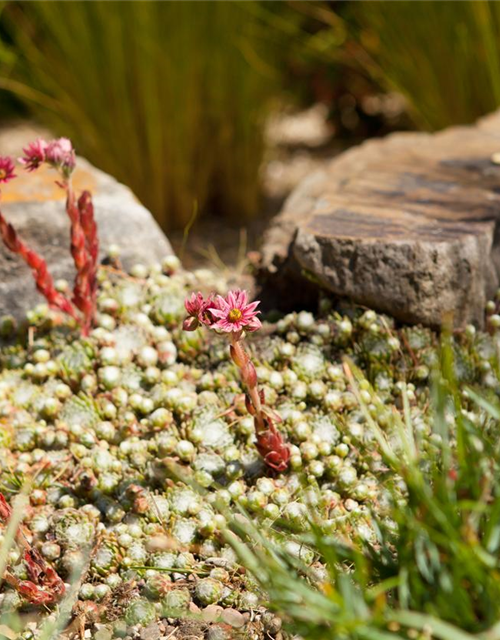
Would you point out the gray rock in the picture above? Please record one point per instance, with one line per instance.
(407, 225)
(34, 204)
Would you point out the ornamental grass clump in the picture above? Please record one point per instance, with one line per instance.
(234, 315)
(187, 85)
(60, 155)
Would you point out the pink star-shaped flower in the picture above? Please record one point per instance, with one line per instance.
(6, 169)
(199, 311)
(34, 154)
(235, 313)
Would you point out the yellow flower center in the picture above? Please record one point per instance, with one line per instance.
(3, 174)
(234, 315)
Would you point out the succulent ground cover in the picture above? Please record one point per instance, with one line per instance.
(135, 449)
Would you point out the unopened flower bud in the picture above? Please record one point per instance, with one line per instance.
(238, 355)
(249, 406)
(249, 375)
(190, 324)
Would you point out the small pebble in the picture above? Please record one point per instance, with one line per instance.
(211, 613)
(233, 618)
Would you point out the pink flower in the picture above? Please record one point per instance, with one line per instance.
(6, 169)
(60, 154)
(34, 154)
(195, 305)
(199, 311)
(235, 313)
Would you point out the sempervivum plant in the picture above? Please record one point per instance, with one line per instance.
(60, 155)
(234, 315)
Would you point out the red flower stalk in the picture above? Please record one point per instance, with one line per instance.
(43, 279)
(5, 509)
(272, 448)
(235, 315)
(85, 250)
(84, 243)
(44, 586)
(89, 227)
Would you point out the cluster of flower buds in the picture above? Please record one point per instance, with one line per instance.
(235, 315)
(60, 155)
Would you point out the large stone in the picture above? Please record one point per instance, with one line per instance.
(408, 225)
(35, 206)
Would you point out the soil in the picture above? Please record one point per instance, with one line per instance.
(298, 144)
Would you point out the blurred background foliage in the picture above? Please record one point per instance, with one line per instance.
(444, 57)
(172, 98)
(165, 96)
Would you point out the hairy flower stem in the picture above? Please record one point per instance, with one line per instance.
(84, 244)
(249, 377)
(43, 586)
(84, 249)
(270, 443)
(89, 227)
(43, 279)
